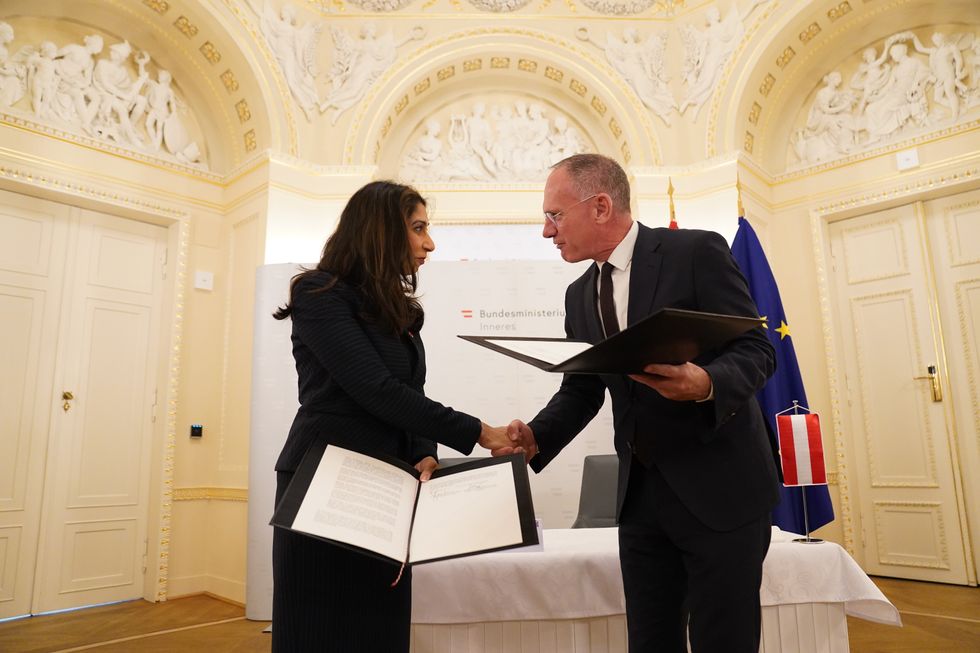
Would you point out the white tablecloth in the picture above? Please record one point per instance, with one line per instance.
(577, 576)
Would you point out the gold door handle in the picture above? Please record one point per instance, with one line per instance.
(67, 396)
(937, 384)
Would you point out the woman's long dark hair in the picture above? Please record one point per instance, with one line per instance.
(370, 251)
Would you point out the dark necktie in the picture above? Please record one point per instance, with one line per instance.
(607, 309)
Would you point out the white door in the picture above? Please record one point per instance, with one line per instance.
(33, 239)
(79, 314)
(954, 231)
(908, 501)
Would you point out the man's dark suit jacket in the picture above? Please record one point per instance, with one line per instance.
(715, 455)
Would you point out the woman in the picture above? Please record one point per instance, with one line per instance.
(361, 367)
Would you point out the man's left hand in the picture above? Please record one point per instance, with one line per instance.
(686, 382)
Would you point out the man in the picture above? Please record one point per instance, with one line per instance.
(696, 475)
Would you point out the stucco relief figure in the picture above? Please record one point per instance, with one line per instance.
(830, 127)
(13, 69)
(903, 98)
(481, 137)
(42, 76)
(706, 52)
(565, 140)
(948, 69)
(294, 45)
(77, 101)
(121, 104)
(641, 63)
(517, 143)
(460, 162)
(358, 62)
(871, 76)
(164, 125)
(974, 66)
(424, 154)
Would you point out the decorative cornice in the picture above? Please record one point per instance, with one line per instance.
(210, 494)
(40, 127)
(80, 190)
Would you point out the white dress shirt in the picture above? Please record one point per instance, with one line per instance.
(622, 260)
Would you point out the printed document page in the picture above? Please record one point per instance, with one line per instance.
(360, 501)
(551, 352)
(465, 512)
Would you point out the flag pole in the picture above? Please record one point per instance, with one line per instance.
(806, 517)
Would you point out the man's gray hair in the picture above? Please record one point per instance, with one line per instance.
(595, 173)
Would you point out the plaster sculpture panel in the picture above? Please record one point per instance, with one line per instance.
(641, 63)
(79, 87)
(294, 46)
(358, 62)
(499, 6)
(889, 95)
(621, 7)
(380, 5)
(13, 71)
(510, 142)
(706, 52)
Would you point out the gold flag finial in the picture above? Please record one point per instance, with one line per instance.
(670, 199)
(738, 196)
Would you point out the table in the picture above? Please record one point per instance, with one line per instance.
(569, 598)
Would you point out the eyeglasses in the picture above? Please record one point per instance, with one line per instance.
(554, 217)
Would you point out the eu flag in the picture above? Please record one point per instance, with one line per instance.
(786, 384)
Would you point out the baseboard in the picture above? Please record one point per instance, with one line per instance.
(232, 591)
(226, 588)
(186, 586)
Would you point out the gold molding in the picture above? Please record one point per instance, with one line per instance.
(210, 494)
(173, 388)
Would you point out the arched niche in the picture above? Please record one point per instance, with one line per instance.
(771, 94)
(218, 77)
(508, 63)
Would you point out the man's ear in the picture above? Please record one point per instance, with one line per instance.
(603, 208)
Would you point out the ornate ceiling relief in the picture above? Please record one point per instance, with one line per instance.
(499, 6)
(905, 87)
(641, 63)
(358, 60)
(706, 51)
(99, 96)
(513, 141)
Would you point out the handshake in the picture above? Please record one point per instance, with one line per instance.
(516, 437)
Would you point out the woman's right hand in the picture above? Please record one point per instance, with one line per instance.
(494, 437)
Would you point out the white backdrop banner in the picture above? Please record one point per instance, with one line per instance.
(460, 298)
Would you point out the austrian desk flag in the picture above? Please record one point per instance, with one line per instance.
(786, 383)
(801, 449)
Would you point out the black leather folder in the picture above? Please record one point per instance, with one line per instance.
(671, 335)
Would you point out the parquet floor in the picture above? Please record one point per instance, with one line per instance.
(938, 619)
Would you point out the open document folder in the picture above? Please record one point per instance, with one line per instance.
(380, 507)
(671, 335)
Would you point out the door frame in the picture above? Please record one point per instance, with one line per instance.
(176, 220)
(941, 181)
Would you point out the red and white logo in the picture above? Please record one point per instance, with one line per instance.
(467, 312)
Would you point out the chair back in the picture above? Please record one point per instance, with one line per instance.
(597, 501)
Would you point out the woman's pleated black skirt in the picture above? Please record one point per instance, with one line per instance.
(330, 599)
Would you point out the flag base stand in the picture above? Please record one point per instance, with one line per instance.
(806, 521)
